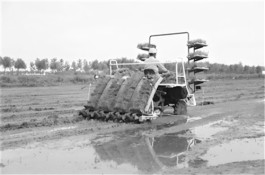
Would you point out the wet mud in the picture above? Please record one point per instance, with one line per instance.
(226, 137)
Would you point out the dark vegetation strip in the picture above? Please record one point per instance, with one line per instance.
(43, 80)
(81, 78)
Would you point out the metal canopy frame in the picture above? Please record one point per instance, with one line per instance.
(167, 34)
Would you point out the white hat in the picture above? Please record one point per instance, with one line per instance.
(152, 50)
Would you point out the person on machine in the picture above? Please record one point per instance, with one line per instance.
(152, 69)
(171, 95)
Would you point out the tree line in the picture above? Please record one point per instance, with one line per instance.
(59, 65)
(232, 68)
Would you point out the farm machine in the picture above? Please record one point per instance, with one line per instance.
(127, 95)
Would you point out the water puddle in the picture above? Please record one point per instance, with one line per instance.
(207, 131)
(235, 151)
(62, 128)
(56, 158)
(148, 154)
(128, 152)
(133, 154)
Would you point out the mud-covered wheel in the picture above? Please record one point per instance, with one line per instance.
(180, 108)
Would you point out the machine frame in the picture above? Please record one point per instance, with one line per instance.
(190, 100)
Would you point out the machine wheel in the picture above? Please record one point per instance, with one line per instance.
(180, 108)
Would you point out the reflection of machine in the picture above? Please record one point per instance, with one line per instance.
(169, 150)
(147, 154)
(127, 95)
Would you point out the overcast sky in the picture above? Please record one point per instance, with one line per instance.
(234, 30)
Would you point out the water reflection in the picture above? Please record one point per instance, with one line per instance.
(121, 152)
(148, 154)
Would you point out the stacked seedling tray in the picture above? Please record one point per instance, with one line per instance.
(196, 55)
(144, 47)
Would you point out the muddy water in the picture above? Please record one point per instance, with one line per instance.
(236, 151)
(127, 152)
(122, 152)
(148, 154)
(138, 154)
(53, 159)
(207, 131)
(245, 149)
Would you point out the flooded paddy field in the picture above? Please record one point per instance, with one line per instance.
(41, 132)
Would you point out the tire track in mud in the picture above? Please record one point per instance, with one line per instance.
(43, 122)
(90, 129)
(36, 113)
(40, 104)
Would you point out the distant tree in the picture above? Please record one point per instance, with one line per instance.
(38, 64)
(252, 69)
(102, 66)
(20, 64)
(41, 64)
(223, 68)
(85, 65)
(32, 67)
(95, 64)
(60, 65)
(57, 65)
(7, 62)
(238, 68)
(125, 60)
(54, 64)
(258, 69)
(79, 64)
(230, 69)
(66, 66)
(246, 69)
(12, 65)
(74, 67)
(45, 63)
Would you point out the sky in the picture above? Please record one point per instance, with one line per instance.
(71, 30)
